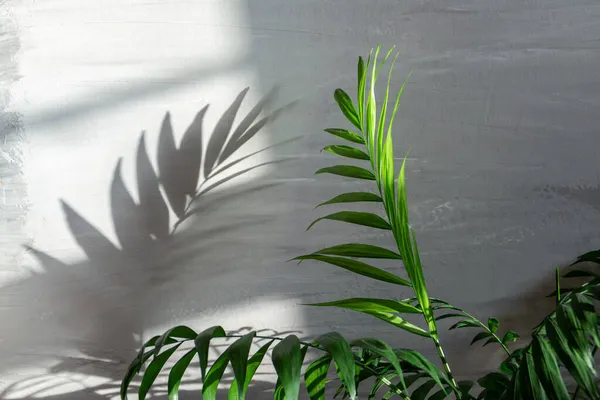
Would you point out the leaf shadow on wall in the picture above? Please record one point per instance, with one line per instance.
(100, 308)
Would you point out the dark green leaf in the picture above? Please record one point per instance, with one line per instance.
(573, 330)
(537, 392)
(355, 217)
(347, 107)
(349, 171)
(279, 394)
(439, 395)
(510, 336)
(202, 342)
(253, 364)
(490, 341)
(133, 369)
(358, 267)
(586, 313)
(334, 344)
(422, 391)
(214, 375)
(385, 310)
(575, 364)
(180, 331)
(361, 303)
(562, 292)
(154, 369)
(421, 362)
(449, 316)
(353, 197)
(465, 324)
(315, 377)
(480, 336)
(360, 251)
(384, 350)
(411, 379)
(177, 373)
(493, 381)
(347, 151)
(465, 387)
(238, 356)
(493, 324)
(287, 360)
(346, 134)
(577, 273)
(592, 256)
(547, 369)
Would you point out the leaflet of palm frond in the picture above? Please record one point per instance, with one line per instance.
(190, 155)
(221, 133)
(153, 208)
(93, 243)
(128, 220)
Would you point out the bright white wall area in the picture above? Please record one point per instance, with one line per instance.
(500, 113)
(93, 76)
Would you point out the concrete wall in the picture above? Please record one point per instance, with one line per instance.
(500, 113)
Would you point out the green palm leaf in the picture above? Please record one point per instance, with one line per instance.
(346, 135)
(346, 151)
(154, 369)
(386, 310)
(238, 356)
(360, 251)
(339, 349)
(315, 377)
(348, 171)
(355, 217)
(202, 343)
(353, 197)
(253, 364)
(177, 373)
(287, 360)
(347, 107)
(358, 267)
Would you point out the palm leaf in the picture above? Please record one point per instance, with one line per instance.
(386, 310)
(348, 171)
(287, 360)
(358, 267)
(360, 251)
(355, 217)
(346, 135)
(347, 107)
(202, 343)
(339, 349)
(353, 197)
(346, 151)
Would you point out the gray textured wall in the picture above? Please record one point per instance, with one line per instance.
(500, 113)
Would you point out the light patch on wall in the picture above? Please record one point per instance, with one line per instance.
(95, 75)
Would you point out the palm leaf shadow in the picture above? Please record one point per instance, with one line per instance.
(115, 276)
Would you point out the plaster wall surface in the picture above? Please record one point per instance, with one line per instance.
(500, 113)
